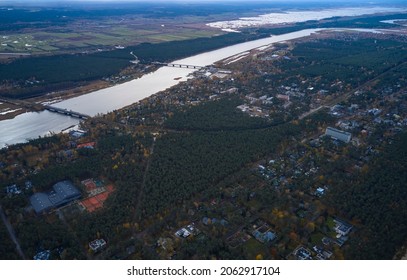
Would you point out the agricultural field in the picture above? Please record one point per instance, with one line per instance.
(89, 37)
(58, 30)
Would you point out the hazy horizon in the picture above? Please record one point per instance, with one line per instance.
(206, 1)
(186, 2)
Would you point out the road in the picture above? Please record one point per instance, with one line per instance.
(140, 194)
(11, 233)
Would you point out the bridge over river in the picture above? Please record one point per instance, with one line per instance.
(32, 106)
(66, 112)
(176, 65)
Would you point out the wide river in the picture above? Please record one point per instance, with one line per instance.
(32, 125)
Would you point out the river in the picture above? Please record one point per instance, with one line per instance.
(109, 99)
(32, 125)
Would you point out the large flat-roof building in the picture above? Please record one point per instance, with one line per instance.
(338, 134)
(62, 193)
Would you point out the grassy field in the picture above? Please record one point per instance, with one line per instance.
(75, 29)
(89, 38)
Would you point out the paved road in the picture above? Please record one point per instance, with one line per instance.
(11, 233)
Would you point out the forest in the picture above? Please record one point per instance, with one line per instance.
(217, 115)
(7, 248)
(199, 159)
(353, 61)
(379, 201)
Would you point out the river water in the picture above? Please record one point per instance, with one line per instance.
(32, 125)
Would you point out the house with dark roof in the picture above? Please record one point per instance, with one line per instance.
(97, 245)
(43, 255)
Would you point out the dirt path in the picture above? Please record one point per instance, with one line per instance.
(11, 233)
(140, 194)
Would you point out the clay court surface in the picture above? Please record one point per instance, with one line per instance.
(95, 202)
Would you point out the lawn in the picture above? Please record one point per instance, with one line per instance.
(316, 238)
(254, 248)
(330, 223)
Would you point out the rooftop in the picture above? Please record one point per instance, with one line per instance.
(65, 189)
(43, 255)
(40, 202)
(97, 244)
(61, 193)
(338, 134)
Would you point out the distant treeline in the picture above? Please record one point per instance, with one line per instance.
(19, 18)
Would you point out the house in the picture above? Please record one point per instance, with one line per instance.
(264, 237)
(262, 232)
(320, 192)
(338, 134)
(243, 108)
(374, 111)
(97, 245)
(13, 190)
(28, 185)
(283, 97)
(189, 230)
(77, 133)
(342, 228)
(43, 255)
(302, 254)
(322, 254)
(183, 233)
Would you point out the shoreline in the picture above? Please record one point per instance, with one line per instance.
(62, 95)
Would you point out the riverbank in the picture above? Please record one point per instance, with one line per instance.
(10, 111)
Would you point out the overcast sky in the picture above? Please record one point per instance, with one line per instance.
(328, 1)
(372, 2)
